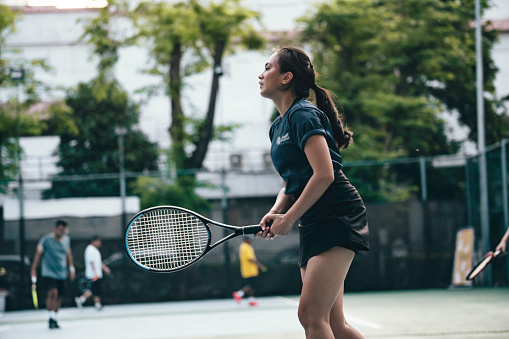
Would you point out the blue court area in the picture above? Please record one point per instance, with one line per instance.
(474, 313)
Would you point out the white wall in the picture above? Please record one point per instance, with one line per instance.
(501, 59)
(54, 35)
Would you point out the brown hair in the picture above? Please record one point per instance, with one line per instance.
(296, 61)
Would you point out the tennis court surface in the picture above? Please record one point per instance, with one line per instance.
(474, 313)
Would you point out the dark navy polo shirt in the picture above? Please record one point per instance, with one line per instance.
(288, 135)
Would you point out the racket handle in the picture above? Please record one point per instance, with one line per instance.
(251, 229)
(498, 253)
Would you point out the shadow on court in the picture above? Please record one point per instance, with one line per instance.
(475, 313)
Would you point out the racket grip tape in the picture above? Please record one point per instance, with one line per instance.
(251, 229)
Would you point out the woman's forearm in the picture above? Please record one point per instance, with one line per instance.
(283, 202)
(315, 188)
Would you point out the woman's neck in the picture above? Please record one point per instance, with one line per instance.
(284, 102)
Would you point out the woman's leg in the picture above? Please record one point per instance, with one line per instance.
(340, 327)
(321, 297)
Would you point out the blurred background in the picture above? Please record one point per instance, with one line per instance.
(109, 107)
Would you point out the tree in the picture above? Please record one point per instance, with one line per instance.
(396, 66)
(98, 107)
(223, 26)
(155, 192)
(185, 38)
(170, 31)
(7, 27)
(15, 122)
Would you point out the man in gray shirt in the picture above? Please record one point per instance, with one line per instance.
(55, 250)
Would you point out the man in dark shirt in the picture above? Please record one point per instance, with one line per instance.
(55, 251)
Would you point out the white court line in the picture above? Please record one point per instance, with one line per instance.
(288, 301)
(363, 322)
(366, 323)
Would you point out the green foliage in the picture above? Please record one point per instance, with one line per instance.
(92, 146)
(106, 43)
(15, 122)
(86, 122)
(395, 66)
(385, 183)
(185, 38)
(15, 119)
(60, 120)
(7, 27)
(155, 192)
(220, 22)
(9, 146)
(164, 27)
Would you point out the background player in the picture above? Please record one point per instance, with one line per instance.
(54, 252)
(94, 268)
(249, 270)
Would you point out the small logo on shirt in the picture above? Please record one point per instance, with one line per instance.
(282, 139)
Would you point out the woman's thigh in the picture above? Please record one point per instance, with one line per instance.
(322, 280)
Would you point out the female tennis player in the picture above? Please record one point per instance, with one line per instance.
(305, 151)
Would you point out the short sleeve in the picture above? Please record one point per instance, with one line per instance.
(271, 130)
(43, 242)
(305, 123)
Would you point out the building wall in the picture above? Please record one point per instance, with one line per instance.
(54, 34)
(501, 59)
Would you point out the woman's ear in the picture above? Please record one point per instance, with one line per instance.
(287, 78)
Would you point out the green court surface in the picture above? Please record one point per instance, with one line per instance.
(473, 313)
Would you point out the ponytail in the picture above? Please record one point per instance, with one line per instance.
(324, 102)
(295, 60)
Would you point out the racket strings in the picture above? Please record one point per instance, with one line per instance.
(167, 239)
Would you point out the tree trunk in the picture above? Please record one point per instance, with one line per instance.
(207, 127)
(177, 115)
(388, 137)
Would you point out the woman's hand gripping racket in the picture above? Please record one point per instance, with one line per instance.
(170, 238)
(488, 258)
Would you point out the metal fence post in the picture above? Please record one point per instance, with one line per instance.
(226, 248)
(424, 183)
(483, 177)
(505, 198)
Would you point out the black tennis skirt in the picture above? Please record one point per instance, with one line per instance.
(338, 218)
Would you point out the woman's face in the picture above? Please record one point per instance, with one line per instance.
(270, 79)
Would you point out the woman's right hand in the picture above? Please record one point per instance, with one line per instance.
(501, 247)
(265, 225)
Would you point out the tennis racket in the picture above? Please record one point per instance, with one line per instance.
(170, 238)
(488, 258)
(35, 300)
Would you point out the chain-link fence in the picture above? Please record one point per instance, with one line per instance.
(415, 208)
(498, 211)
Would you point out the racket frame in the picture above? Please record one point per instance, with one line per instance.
(488, 258)
(237, 231)
(35, 299)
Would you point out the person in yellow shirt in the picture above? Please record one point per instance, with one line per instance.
(249, 270)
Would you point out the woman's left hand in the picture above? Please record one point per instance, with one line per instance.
(278, 227)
